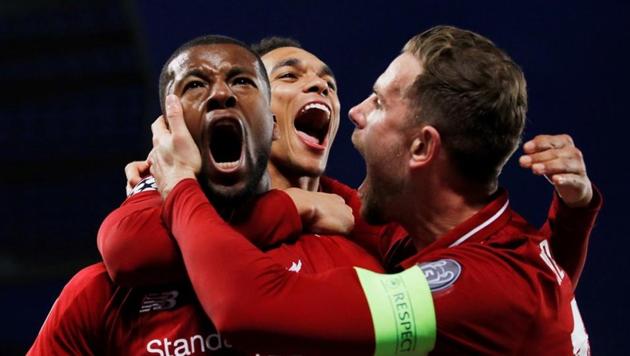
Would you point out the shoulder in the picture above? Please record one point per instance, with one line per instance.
(74, 324)
(501, 279)
(91, 277)
(89, 289)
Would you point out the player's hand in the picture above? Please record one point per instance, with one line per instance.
(175, 155)
(322, 213)
(556, 157)
(134, 172)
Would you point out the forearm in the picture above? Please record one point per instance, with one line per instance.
(257, 303)
(569, 230)
(135, 245)
(138, 250)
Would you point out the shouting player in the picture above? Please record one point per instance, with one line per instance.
(306, 106)
(443, 119)
(225, 97)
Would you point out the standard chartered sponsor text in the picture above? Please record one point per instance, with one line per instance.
(187, 346)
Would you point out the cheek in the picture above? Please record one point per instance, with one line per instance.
(193, 121)
(281, 105)
(257, 115)
(334, 125)
(336, 104)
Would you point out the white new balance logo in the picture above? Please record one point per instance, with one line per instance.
(296, 267)
(159, 301)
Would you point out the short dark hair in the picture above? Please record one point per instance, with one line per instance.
(206, 40)
(268, 44)
(474, 94)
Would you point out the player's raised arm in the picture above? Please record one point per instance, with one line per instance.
(576, 203)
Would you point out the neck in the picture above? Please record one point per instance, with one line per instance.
(437, 208)
(284, 180)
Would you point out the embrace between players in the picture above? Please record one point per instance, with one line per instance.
(427, 255)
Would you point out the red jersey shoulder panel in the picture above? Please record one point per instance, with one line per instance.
(74, 324)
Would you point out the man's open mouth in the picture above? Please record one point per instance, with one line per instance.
(312, 123)
(226, 144)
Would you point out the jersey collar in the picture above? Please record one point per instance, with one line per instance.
(478, 227)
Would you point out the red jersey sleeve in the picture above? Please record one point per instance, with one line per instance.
(74, 324)
(137, 248)
(569, 230)
(257, 303)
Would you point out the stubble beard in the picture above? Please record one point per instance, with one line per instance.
(226, 200)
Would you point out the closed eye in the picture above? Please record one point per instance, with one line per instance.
(287, 75)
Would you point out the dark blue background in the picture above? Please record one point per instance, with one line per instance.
(78, 88)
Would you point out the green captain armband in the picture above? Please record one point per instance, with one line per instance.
(402, 311)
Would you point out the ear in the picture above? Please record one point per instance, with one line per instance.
(425, 147)
(276, 133)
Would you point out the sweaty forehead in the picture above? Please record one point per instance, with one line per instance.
(214, 57)
(295, 57)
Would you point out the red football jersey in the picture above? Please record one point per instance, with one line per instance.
(568, 230)
(137, 249)
(492, 286)
(143, 247)
(93, 315)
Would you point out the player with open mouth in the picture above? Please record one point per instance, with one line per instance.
(227, 117)
(306, 107)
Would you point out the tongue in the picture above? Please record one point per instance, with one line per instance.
(308, 138)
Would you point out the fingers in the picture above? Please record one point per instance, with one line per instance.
(556, 157)
(153, 167)
(159, 129)
(552, 154)
(560, 166)
(546, 142)
(175, 114)
(134, 171)
(565, 160)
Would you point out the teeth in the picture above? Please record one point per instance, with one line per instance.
(319, 106)
(227, 165)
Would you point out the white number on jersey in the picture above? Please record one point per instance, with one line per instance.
(545, 254)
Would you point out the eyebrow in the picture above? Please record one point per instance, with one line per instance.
(289, 62)
(195, 72)
(375, 89)
(294, 62)
(233, 72)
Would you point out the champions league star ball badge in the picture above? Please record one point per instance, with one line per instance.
(146, 184)
(441, 274)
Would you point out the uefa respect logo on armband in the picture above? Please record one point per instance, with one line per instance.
(405, 324)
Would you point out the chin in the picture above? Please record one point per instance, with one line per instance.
(253, 183)
(227, 197)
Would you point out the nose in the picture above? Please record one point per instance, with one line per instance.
(221, 97)
(357, 116)
(317, 85)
